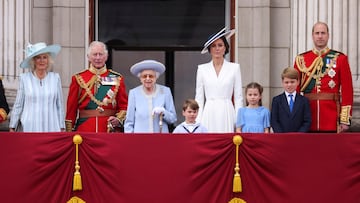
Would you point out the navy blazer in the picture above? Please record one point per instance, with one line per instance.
(282, 121)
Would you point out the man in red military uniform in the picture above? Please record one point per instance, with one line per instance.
(327, 82)
(97, 99)
(4, 107)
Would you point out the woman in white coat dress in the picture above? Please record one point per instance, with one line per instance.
(218, 86)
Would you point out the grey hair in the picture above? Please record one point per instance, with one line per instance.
(93, 43)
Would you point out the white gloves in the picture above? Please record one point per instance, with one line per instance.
(158, 110)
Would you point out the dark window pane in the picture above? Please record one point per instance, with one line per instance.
(159, 23)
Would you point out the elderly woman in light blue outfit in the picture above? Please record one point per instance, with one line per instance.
(150, 105)
(39, 105)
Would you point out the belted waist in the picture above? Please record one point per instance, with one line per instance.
(96, 113)
(322, 96)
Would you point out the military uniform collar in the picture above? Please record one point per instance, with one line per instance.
(97, 71)
(321, 52)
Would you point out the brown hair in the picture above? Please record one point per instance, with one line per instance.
(254, 85)
(291, 73)
(226, 43)
(191, 103)
(320, 23)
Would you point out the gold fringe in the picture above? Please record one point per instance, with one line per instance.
(237, 187)
(77, 184)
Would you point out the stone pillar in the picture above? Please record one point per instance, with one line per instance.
(14, 34)
(253, 38)
(69, 28)
(342, 18)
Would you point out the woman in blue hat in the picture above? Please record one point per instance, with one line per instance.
(150, 106)
(217, 82)
(39, 105)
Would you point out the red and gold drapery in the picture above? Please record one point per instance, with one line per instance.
(163, 168)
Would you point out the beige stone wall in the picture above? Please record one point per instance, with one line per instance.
(264, 43)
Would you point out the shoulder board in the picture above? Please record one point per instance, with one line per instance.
(332, 50)
(80, 71)
(305, 52)
(115, 73)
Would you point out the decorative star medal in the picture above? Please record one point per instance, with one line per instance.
(332, 84)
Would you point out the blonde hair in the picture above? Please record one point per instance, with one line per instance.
(50, 62)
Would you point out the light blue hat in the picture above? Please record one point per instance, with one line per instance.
(216, 36)
(147, 65)
(37, 49)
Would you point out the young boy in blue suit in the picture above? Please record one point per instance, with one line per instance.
(290, 110)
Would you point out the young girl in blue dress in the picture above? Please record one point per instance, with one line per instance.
(254, 118)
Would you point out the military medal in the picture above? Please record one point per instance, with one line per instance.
(110, 93)
(332, 73)
(334, 63)
(328, 63)
(332, 84)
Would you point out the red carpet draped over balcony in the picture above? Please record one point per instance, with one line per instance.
(163, 168)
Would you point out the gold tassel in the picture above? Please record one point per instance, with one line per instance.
(237, 187)
(77, 185)
(237, 200)
(76, 199)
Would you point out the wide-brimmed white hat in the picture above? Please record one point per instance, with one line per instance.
(147, 65)
(37, 49)
(214, 37)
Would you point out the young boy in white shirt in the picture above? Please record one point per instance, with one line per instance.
(190, 112)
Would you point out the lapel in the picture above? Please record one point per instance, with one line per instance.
(296, 103)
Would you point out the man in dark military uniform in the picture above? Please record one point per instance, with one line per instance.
(325, 79)
(4, 107)
(97, 99)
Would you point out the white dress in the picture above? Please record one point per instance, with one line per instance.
(39, 105)
(214, 96)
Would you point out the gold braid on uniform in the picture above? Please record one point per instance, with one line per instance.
(68, 125)
(345, 117)
(83, 85)
(121, 116)
(315, 66)
(314, 71)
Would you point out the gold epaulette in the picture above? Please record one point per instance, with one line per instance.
(115, 73)
(337, 52)
(305, 52)
(81, 71)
